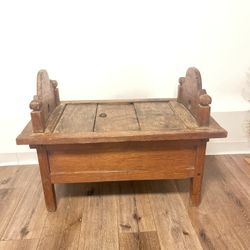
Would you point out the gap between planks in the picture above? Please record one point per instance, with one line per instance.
(139, 125)
(93, 129)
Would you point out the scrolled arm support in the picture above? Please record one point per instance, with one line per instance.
(193, 97)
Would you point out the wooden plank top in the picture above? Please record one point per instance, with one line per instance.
(157, 116)
(115, 117)
(113, 121)
(76, 118)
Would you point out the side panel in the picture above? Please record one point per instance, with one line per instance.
(122, 161)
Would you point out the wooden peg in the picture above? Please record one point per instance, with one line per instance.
(205, 100)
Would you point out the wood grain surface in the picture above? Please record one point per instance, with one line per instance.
(76, 118)
(128, 215)
(116, 117)
(157, 116)
(110, 122)
(193, 97)
(112, 116)
(44, 102)
(184, 115)
(122, 161)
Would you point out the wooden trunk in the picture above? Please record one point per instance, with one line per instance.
(93, 141)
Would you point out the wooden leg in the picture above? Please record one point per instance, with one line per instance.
(48, 187)
(196, 181)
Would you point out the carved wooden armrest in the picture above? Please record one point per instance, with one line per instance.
(44, 102)
(193, 97)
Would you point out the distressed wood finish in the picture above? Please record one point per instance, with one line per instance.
(157, 116)
(97, 141)
(77, 118)
(116, 117)
(44, 102)
(193, 97)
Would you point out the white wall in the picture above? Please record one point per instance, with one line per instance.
(237, 124)
(119, 49)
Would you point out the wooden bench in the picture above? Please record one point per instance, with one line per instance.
(116, 140)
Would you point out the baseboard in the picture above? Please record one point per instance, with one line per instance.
(228, 147)
(237, 123)
(13, 159)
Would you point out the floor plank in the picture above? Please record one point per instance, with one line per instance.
(174, 228)
(99, 221)
(144, 216)
(141, 240)
(240, 173)
(224, 214)
(62, 229)
(13, 185)
(247, 159)
(19, 244)
(127, 211)
(128, 241)
(27, 221)
(128, 215)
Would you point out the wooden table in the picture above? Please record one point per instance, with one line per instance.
(90, 141)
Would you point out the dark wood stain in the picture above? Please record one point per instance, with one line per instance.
(90, 192)
(24, 231)
(5, 181)
(125, 226)
(4, 193)
(235, 199)
(206, 240)
(136, 216)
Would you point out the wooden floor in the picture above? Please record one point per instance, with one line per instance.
(128, 215)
